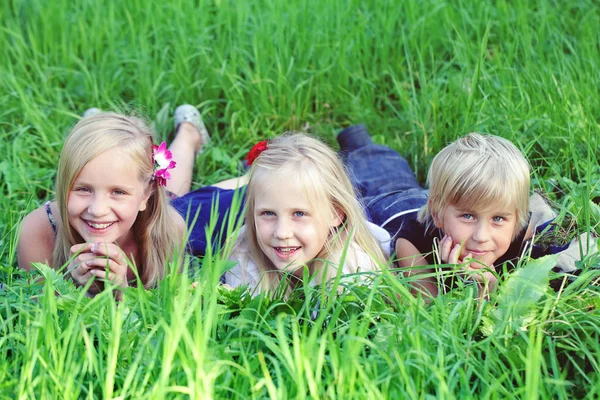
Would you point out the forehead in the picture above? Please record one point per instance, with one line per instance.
(111, 167)
(272, 189)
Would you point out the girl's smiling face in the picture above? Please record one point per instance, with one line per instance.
(105, 198)
(288, 228)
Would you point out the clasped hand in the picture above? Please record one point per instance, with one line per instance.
(450, 253)
(105, 261)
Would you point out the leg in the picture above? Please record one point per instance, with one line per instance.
(374, 169)
(184, 147)
(381, 176)
(233, 183)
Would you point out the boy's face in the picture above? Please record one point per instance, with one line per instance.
(484, 232)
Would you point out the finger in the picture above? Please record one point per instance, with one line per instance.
(79, 263)
(81, 273)
(468, 259)
(103, 263)
(80, 248)
(109, 250)
(478, 265)
(445, 249)
(109, 276)
(454, 254)
(483, 277)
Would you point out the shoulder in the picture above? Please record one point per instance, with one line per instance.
(36, 238)
(407, 254)
(410, 226)
(177, 219)
(356, 260)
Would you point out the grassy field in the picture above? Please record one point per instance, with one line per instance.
(418, 74)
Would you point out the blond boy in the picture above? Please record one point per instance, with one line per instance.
(475, 214)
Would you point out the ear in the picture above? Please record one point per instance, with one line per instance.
(338, 217)
(144, 202)
(437, 221)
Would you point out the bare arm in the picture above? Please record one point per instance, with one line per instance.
(181, 226)
(410, 258)
(36, 240)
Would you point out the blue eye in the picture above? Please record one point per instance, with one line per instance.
(299, 213)
(119, 192)
(498, 218)
(268, 213)
(468, 216)
(82, 189)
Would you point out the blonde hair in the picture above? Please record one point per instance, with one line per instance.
(476, 170)
(153, 230)
(320, 173)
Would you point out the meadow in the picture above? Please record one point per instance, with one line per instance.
(418, 74)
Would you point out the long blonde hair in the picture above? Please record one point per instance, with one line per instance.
(321, 174)
(89, 138)
(477, 170)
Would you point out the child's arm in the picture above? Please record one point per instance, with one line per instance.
(179, 223)
(410, 257)
(36, 240)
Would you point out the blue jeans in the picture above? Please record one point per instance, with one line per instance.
(382, 177)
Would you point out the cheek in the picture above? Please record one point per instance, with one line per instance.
(316, 235)
(263, 229)
(506, 238)
(457, 231)
(74, 205)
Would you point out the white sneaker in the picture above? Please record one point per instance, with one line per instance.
(91, 111)
(189, 113)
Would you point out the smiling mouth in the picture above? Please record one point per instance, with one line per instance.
(477, 252)
(285, 252)
(98, 225)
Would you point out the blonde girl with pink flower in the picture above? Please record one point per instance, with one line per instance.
(112, 219)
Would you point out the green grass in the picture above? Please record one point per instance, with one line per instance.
(418, 74)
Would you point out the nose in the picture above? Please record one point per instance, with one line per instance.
(283, 229)
(98, 206)
(481, 233)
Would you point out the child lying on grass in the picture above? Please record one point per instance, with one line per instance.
(118, 196)
(301, 212)
(476, 213)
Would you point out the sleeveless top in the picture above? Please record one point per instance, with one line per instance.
(50, 217)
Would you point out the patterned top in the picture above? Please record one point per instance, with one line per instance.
(50, 217)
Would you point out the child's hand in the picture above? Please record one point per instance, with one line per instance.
(93, 260)
(473, 269)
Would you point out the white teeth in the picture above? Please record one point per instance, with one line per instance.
(286, 249)
(100, 226)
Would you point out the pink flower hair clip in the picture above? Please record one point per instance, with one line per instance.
(163, 162)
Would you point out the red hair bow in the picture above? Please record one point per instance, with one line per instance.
(255, 151)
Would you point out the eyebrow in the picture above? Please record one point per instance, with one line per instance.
(505, 214)
(112, 187)
(474, 211)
